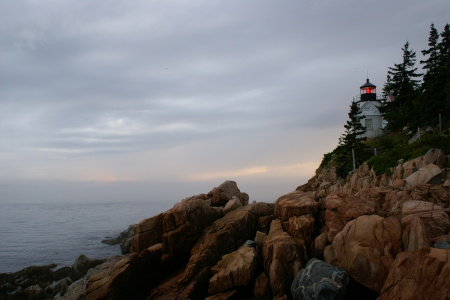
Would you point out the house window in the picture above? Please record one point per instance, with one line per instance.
(369, 125)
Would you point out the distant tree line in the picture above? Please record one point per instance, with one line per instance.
(415, 99)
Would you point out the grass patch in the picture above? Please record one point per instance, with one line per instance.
(391, 148)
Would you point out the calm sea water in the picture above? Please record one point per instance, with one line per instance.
(40, 234)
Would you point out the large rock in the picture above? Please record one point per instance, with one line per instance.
(234, 270)
(376, 195)
(366, 248)
(225, 235)
(147, 233)
(433, 156)
(282, 261)
(342, 207)
(104, 285)
(77, 289)
(423, 175)
(262, 287)
(225, 192)
(362, 178)
(319, 244)
(180, 227)
(130, 278)
(433, 217)
(349, 206)
(430, 193)
(438, 194)
(319, 280)
(232, 205)
(82, 264)
(295, 204)
(421, 274)
(184, 224)
(301, 228)
(125, 239)
(60, 286)
(34, 292)
(324, 179)
(415, 235)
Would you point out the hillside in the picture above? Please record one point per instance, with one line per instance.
(386, 151)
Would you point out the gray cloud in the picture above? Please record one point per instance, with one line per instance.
(84, 80)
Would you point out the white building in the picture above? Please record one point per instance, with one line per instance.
(369, 105)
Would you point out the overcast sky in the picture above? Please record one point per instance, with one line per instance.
(132, 100)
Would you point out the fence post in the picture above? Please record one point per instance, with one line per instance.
(353, 157)
(375, 151)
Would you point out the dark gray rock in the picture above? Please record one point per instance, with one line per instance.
(82, 264)
(64, 272)
(250, 243)
(319, 280)
(125, 245)
(35, 292)
(60, 286)
(124, 239)
(442, 245)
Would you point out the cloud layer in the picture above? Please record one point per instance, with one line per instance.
(189, 90)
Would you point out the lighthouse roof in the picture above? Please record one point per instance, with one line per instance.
(368, 84)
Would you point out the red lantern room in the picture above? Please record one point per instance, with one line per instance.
(368, 91)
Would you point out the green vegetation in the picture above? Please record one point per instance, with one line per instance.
(391, 149)
(394, 147)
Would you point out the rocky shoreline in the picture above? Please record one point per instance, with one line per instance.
(50, 282)
(124, 239)
(367, 237)
(43, 282)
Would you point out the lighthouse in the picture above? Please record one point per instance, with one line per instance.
(369, 104)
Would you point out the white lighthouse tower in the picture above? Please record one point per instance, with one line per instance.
(369, 105)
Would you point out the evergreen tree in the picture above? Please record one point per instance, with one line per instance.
(432, 100)
(402, 84)
(352, 139)
(444, 71)
(433, 52)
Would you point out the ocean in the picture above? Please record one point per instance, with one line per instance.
(45, 233)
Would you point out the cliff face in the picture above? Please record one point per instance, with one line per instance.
(370, 236)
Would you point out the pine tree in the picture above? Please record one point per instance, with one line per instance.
(351, 140)
(433, 52)
(444, 71)
(402, 84)
(432, 99)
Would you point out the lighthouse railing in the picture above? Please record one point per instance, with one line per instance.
(378, 97)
